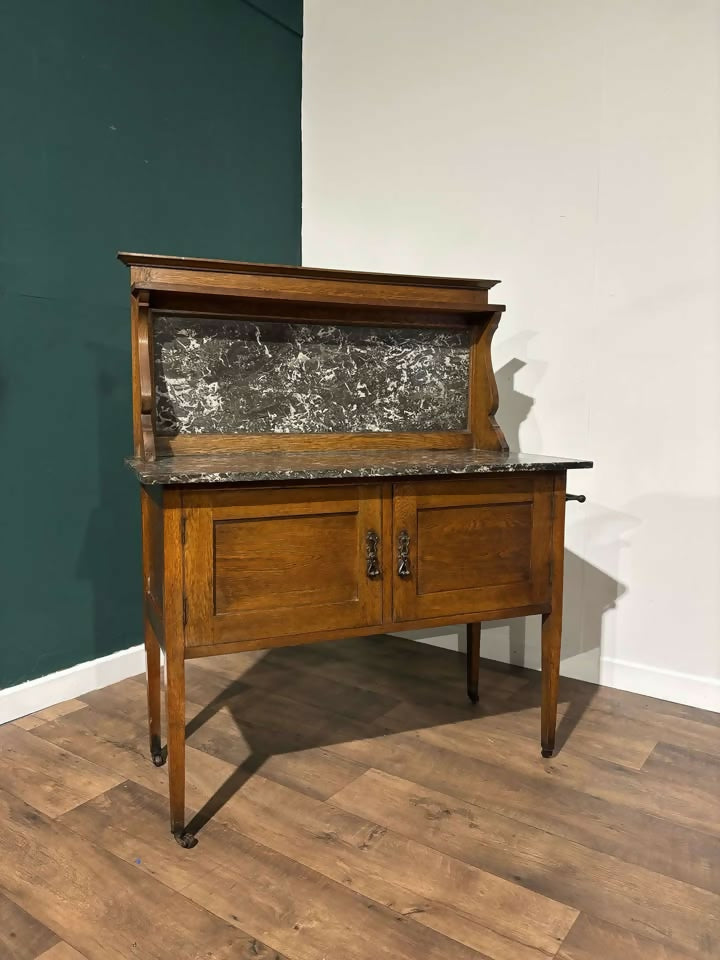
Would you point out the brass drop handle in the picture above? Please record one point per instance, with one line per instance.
(371, 554)
(403, 554)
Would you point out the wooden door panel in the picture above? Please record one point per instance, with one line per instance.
(474, 545)
(492, 540)
(280, 563)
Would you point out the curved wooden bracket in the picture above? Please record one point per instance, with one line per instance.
(484, 399)
(143, 399)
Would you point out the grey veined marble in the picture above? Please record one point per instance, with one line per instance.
(340, 465)
(243, 376)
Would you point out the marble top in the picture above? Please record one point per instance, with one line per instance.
(337, 465)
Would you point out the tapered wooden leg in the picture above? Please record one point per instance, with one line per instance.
(174, 624)
(152, 657)
(176, 745)
(551, 632)
(552, 624)
(473, 660)
(150, 513)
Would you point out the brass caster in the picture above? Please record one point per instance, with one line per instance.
(546, 753)
(158, 759)
(186, 840)
(474, 697)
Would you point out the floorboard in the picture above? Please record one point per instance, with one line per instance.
(61, 951)
(296, 910)
(102, 906)
(644, 902)
(633, 835)
(47, 777)
(591, 939)
(49, 713)
(22, 937)
(352, 805)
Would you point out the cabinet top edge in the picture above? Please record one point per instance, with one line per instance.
(346, 465)
(305, 273)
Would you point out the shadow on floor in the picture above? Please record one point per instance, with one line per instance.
(300, 698)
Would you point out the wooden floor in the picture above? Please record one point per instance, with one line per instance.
(352, 805)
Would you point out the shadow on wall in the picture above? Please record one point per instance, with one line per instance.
(515, 406)
(597, 593)
(589, 591)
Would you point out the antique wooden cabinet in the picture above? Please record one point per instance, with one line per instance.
(319, 457)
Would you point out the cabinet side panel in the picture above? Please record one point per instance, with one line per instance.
(153, 548)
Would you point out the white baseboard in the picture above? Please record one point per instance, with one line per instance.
(649, 680)
(688, 688)
(44, 692)
(34, 695)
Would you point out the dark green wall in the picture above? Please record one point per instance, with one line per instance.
(161, 126)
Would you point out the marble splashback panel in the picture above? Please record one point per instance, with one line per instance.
(243, 376)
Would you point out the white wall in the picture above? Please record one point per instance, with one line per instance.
(570, 148)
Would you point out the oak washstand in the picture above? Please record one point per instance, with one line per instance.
(319, 458)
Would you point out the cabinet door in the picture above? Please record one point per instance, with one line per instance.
(470, 546)
(279, 562)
